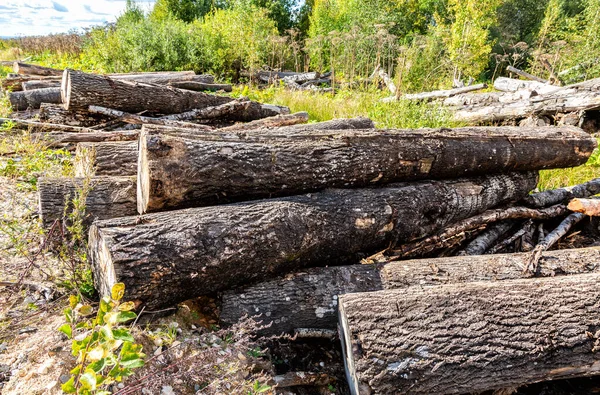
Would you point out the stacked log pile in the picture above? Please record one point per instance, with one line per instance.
(391, 236)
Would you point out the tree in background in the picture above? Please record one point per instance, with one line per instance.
(185, 10)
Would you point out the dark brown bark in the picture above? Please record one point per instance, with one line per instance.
(563, 195)
(309, 299)
(187, 171)
(31, 69)
(80, 90)
(270, 122)
(44, 126)
(106, 159)
(108, 197)
(165, 258)
(201, 86)
(33, 99)
(55, 139)
(257, 111)
(56, 114)
(472, 337)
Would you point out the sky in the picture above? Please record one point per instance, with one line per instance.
(40, 17)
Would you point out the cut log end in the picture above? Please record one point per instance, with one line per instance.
(143, 177)
(104, 270)
(65, 88)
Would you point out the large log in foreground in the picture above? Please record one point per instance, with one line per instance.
(106, 159)
(178, 171)
(80, 90)
(309, 299)
(472, 337)
(164, 258)
(106, 197)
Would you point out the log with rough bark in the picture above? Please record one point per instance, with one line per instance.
(164, 258)
(141, 120)
(525, 230)
(211, 112)
(107, 197)
(40, 84)
(80, 90)
(513, 85)
(485, 98)
(201, 86)
(590, 207)
(56, 114)
(184, 171)
(525, 74)
(106, 159)
(270, 122)
(257, 111)
(473, 337)
(308, 299)
(563, 195)
(31, 69)
(442, 94)
(33, 99)
(57, 139)
(272, 76)
(43, 126)
(15, 83)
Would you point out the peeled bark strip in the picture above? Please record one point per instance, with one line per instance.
(31, 69)
(563, 195)
(165, 258)
(201, 86)
(473, 337)
(80, 90)
(39, 84)
(589, 207)
(309, 299)
(55, 139)
(108, 197)
(34, 98)
(106, 159)
(56, 114)
(186, 171)
(270, 122)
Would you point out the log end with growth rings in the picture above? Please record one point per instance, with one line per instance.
(103, 269)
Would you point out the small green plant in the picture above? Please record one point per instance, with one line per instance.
(106, 351)
(259, 388)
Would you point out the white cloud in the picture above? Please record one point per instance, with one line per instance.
(38, 17)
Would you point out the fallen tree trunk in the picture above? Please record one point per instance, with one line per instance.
(257, 111)
(81, 90)
(471, 338)
(56, 114)
(15, 83)
(107, 197)
(441, 94)
(39, 84)
(309, 299)
(165, 258)
(270, 122)
(41, 126)
(106, 159)
(57, 139)
(272, 76)
(33, 99)
(184, 170)
(201, 86)
(563, 195)
(31, 69)
(513, 85)
(211, 112)
(141, 120)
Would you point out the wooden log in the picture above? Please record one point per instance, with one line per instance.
(39, 84)
(107, 197)
(505, 84)
(57, 139)
(140, 120)
(471, 338)
(590, 207)
(309, 299)
(15, 83)
(33, 99)
(211, 112)
(31, 69)
(164, 258)
(525, 230)
(257, 111)
(81, 90)
(201, 86)
(387, 80)
(43, 126)
(563, 195)
(272, 76)
(56, 114)
(524, 74)
(441, 94)
(341, 124)
(186, 171)
(270, 122)
(470, 100)
(106, 159)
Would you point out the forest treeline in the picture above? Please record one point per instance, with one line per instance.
(425, 44)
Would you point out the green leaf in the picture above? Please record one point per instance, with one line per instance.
(127, 306)
(68, 312)
(86, 310)
(132, 363)
(67, 330)
(98, 365)
(125, 316)
(88, 380)
(69, 386)
(73, 300)
(123, 334)
(117, 291)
